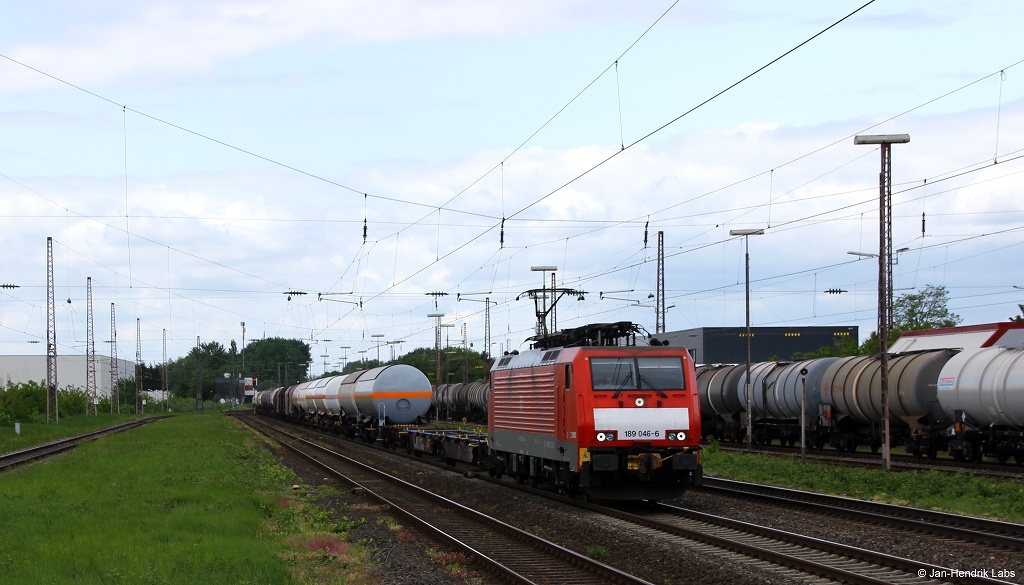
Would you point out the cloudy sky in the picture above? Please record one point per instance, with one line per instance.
(199, 160)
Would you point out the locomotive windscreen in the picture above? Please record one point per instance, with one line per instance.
(620, 373)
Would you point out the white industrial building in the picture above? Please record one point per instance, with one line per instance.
(71, 370)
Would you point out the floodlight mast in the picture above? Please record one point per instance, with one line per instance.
(885, 316)
(746, 245)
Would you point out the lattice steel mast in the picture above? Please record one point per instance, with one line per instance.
(52, 410)
(115, 391)
(138, 365)
(90, 352)
(659, 302)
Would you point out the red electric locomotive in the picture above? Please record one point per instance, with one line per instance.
(608, 421)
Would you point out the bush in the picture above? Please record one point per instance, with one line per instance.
(23, 402)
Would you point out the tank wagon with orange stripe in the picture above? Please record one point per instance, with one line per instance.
(354, 403)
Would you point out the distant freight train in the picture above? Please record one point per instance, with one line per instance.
(610, 421)
(969, 402)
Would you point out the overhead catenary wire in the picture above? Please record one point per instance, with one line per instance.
(438, 208)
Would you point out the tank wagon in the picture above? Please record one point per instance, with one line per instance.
(982, 391)
(969, 403)
(354, 404)
(461, 401)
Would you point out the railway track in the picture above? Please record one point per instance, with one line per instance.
(810, 555)
(900, 462)
(792, 555)
(965, 528)
(23, 456)
(504, 550)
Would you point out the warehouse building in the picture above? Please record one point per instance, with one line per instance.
(728, 345)
(71, 371)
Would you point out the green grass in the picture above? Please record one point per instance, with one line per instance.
(959, 492)
(189, 499)
(36, 433)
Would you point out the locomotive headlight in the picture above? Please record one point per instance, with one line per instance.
(605, 436)
(676, 436)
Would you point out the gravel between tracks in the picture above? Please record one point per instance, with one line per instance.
(404, 561)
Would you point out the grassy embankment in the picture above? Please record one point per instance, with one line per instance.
(960, 493)
(189, 499)
(37, 433)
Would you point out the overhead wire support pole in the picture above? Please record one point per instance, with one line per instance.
(165, 386)
(437, 344)
(90, 353)
(52, 409)
(487, 321)
(659, 302)
(138, 365)
(885, 316)
(115, 391)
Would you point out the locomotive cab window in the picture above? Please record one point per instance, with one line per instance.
(655, 373)
(661, 373)
(612, 373)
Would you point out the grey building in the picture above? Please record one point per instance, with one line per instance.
(71, 370)
(728, 345)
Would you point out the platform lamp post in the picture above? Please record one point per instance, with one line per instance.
(885, 141)
(377, 337)
(437, 344)
(746, 246)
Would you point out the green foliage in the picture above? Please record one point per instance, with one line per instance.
(924, 310)
(913, 312)
(454, 363)
(1018, 318)
(195, 372)
(275, 361)
(870, 345)
(24, 402)
(843, 346)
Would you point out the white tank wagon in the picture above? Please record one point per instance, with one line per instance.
(982, 391)
(987, 385)
(397, 393)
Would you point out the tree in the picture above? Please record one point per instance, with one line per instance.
(924, 310)
(212, 361)
(276, 361)
(913, 312)
(1018, 318)
(843, 346)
